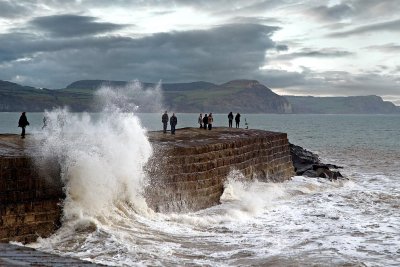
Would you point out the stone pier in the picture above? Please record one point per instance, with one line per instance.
(188, 169)
(187, 173)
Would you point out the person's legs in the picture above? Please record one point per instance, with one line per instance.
(172, 129)
(23, 132)
(165, 127)
(230, 123)
(205, 126)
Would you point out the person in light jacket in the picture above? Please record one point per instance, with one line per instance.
(210, 121)
(164, 120)
(200, 120)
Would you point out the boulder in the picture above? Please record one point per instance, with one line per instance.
(307, 163)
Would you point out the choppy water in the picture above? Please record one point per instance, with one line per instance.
(301, 222)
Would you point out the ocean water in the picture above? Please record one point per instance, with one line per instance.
(301, 222)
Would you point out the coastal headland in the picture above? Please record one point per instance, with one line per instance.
(187, 173)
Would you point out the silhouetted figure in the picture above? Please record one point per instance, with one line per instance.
(246, 124)
(23, 122)
(230, 118)
(173, 121)
(164, 120)
(237, 120)
(44, 122)
(205, 121)
(200, 120)
(210, 121)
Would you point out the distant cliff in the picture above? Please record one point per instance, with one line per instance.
(342, 105)
(245, 96)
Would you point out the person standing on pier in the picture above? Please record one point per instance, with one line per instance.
(230, 118)
(205, 121)
(237, 120)
(164, 120)
(200, 120)
(173, 121)
(23, 122)
(210, 121)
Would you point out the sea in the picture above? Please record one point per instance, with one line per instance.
(301, 222)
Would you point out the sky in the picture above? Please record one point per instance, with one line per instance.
(294, 47)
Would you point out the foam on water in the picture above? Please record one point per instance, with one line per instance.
(300, 222)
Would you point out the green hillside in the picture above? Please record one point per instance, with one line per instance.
(245, 96)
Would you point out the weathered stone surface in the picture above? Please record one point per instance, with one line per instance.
(189, 168)
(187, 173)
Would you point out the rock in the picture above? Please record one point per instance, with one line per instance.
(309, 164)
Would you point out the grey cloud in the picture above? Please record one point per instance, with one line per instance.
(322, 53)
(391, 26)
(219, 54)
(282, 48)
(367, 9)
(256, 20)
(331, 13)
(12, 9)
(73, 25)
(341, 83)
(387, 48)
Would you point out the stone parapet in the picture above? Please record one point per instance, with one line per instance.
(29, 204)
(186, 173)
(189, 169)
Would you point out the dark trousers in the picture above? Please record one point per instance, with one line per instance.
(165, 127)
(230, 123)
(23, 132)
(205, 126)
(237, 124)
(172, 129)
(201, 125)
(209, 126)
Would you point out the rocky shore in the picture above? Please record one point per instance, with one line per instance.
(309, 164)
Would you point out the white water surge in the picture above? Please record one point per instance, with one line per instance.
(300, 222)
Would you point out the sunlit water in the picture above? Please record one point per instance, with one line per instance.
(304, 221)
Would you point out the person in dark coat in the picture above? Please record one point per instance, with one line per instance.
(173, 121)
(23, 122)
(230, 118)
(237, 120)
(164, 120)
(205, 121)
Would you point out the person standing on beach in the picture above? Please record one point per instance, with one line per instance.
(210, 121)
(23, 122)
(164, 120)
(200, 120)
(173, 121)
(230, 118)
(205, 121)
(237, 120)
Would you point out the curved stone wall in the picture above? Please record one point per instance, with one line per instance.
(189, 169)
(187, 173)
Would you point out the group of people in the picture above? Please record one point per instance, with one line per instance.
(206, 121)
(237, 119)
(173, 121)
